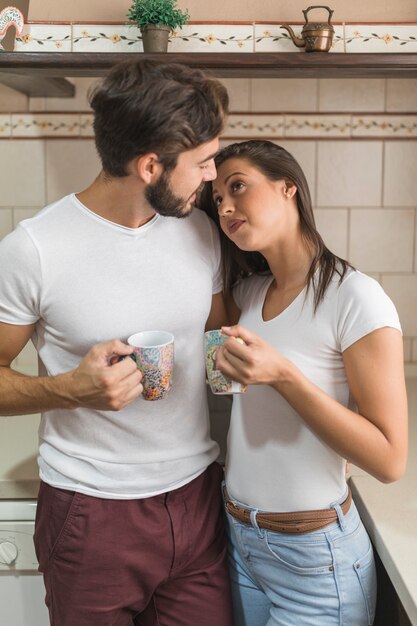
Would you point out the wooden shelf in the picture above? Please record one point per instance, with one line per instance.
(44, 73)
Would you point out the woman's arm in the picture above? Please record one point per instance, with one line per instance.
(375, 438)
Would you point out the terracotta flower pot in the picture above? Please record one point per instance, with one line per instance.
(155, 37)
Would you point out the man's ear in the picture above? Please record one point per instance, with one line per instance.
(149, 168)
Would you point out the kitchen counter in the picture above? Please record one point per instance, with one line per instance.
(389, 513)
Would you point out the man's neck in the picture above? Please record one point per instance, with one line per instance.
(119, 200)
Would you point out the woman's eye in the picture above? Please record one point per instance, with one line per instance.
(237, 185)
(217, 201)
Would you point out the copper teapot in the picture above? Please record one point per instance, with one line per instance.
(315, 37)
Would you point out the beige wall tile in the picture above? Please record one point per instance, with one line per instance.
(402, 289)
(18, 447)
(400, 181)
(407, 343)
(70, 167)
(22, 170)
(239, 93)
(11, 100)
(27, 359)
(268, 10)
(381, 240)
(284, 94)
(332, 225)
(23, 213)
(305, 153)
(351, 94)
(414, 350)
(6, 222)
(349, 173)
(401, 94)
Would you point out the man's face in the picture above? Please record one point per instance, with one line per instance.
(174, 193)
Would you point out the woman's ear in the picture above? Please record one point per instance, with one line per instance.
(148, 168)
(289, 189)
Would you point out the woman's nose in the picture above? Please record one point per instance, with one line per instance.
(225, 208)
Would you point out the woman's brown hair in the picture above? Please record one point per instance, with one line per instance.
(276, 164)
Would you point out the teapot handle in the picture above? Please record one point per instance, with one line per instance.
(318, 6)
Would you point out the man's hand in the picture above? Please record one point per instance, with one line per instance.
(98, 385)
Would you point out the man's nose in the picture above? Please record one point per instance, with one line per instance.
(210, 172)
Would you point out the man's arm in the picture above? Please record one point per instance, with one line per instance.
(94, 383)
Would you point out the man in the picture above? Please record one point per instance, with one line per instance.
(129, 523)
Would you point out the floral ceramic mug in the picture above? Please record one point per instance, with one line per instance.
(154, 356)
(219, 384)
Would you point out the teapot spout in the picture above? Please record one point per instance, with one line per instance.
(298, 41)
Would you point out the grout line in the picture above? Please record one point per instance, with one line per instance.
(316, 175)
(348, 231)
(383, 173)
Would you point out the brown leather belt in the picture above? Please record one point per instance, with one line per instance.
(292, 522)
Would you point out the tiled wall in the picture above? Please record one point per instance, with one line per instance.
(364, 189)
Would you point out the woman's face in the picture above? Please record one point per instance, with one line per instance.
(254, 212)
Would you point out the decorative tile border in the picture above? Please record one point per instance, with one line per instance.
(271, 38)
(247, 125)
(44, 38)
(93, 38)
(5, 125)
(45, 125)
(318, 126)
(381, 38)
(239, 125)
(212, 38)
(198, 37)
(386, 125)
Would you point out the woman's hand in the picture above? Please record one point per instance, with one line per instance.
(248, 359)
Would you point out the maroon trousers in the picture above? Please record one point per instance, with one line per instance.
(153, 561)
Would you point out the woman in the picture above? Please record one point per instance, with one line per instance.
(320, 338)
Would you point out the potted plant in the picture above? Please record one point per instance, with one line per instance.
(156, 20)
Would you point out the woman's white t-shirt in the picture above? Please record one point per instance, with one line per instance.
(275, 462)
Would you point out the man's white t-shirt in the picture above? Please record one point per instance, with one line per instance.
(275, 462)
(84, 280)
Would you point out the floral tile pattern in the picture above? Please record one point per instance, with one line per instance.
(381, 38)
(254, 126)
(256, 37)
(5, 126)
(272, 38)
(240, 125)
(45, 125)
(86, 125)
(212, 38)
(44, 38)
(317, 126)
(106, 38)
(384, 125)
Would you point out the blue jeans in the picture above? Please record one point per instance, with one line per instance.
(323, 578)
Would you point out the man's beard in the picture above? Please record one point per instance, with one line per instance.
(163, 200)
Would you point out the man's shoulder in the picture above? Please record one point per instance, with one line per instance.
(42, 219)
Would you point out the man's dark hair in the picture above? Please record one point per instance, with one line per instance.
(145, 107)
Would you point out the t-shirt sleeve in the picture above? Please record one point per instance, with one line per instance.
(363, 306)
(216, 258)
(20, 279)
